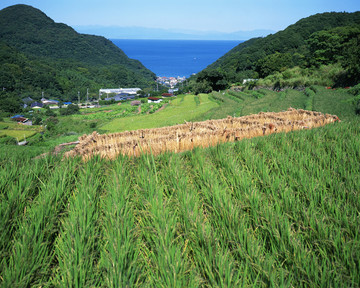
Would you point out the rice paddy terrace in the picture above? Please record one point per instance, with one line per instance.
(279, 210)
(184, 137)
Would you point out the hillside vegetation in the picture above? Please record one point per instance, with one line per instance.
(328, 39)
(38, 55)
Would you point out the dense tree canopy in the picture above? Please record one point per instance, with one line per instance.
(10, 102)
(276, 62)
(316, 40)
(213, 79)
(38, 55)
(328, 46)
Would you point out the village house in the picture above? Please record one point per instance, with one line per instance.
(37, 105)
(121, 97)
(49, 102)
(27, 101)
(154, 100)
(21, 119)
(117, 91)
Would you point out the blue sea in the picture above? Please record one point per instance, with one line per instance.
(172, 58)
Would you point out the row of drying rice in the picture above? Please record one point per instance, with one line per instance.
(186, 136)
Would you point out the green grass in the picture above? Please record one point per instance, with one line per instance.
(325, 75)
(3, 125)
(281, 210)
(323, 100)
(334, 102)
(15, 130)
(183, 108)
(230, 106)
(18, 134)
(115, 111)
(252, 102)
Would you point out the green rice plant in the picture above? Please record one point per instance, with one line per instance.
(280, 210)
(21, 181)
(309, 102)
(197, 100)
(272, 222)
(305, 193)
(214, 258)
(157, 216)
(4, 126)
(13, 200)
(325, 98)
(239, 96)
(120, 261)
(77, 243)
(32, 255)
(191, 221)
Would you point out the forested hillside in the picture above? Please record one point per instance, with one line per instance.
(322, 39)
(38, 54)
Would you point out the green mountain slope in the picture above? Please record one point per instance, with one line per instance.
(243, 60)
(24, 75)
(37, 54)
(30, 31)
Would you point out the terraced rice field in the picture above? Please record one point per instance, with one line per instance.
(18, 131)
(280, 210)
(186, 107)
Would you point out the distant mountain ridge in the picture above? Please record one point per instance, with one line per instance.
(118, 32)
(30, 31)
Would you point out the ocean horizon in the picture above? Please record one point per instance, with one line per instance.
(173, 58)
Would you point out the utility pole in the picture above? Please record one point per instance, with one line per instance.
(79, 97)
(87, 96)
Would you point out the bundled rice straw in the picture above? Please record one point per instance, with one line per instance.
(186, 136)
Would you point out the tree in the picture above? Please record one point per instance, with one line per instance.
(70, 110)
(49, 112)
(214, 79)
(277, 62)
(10, 102)
(352, 60)
(141, 93)
(201, 87)
(37, 120)
(327, 47)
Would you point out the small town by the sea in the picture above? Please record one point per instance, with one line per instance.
(170, 82)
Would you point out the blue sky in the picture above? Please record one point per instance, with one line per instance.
(203, 15)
